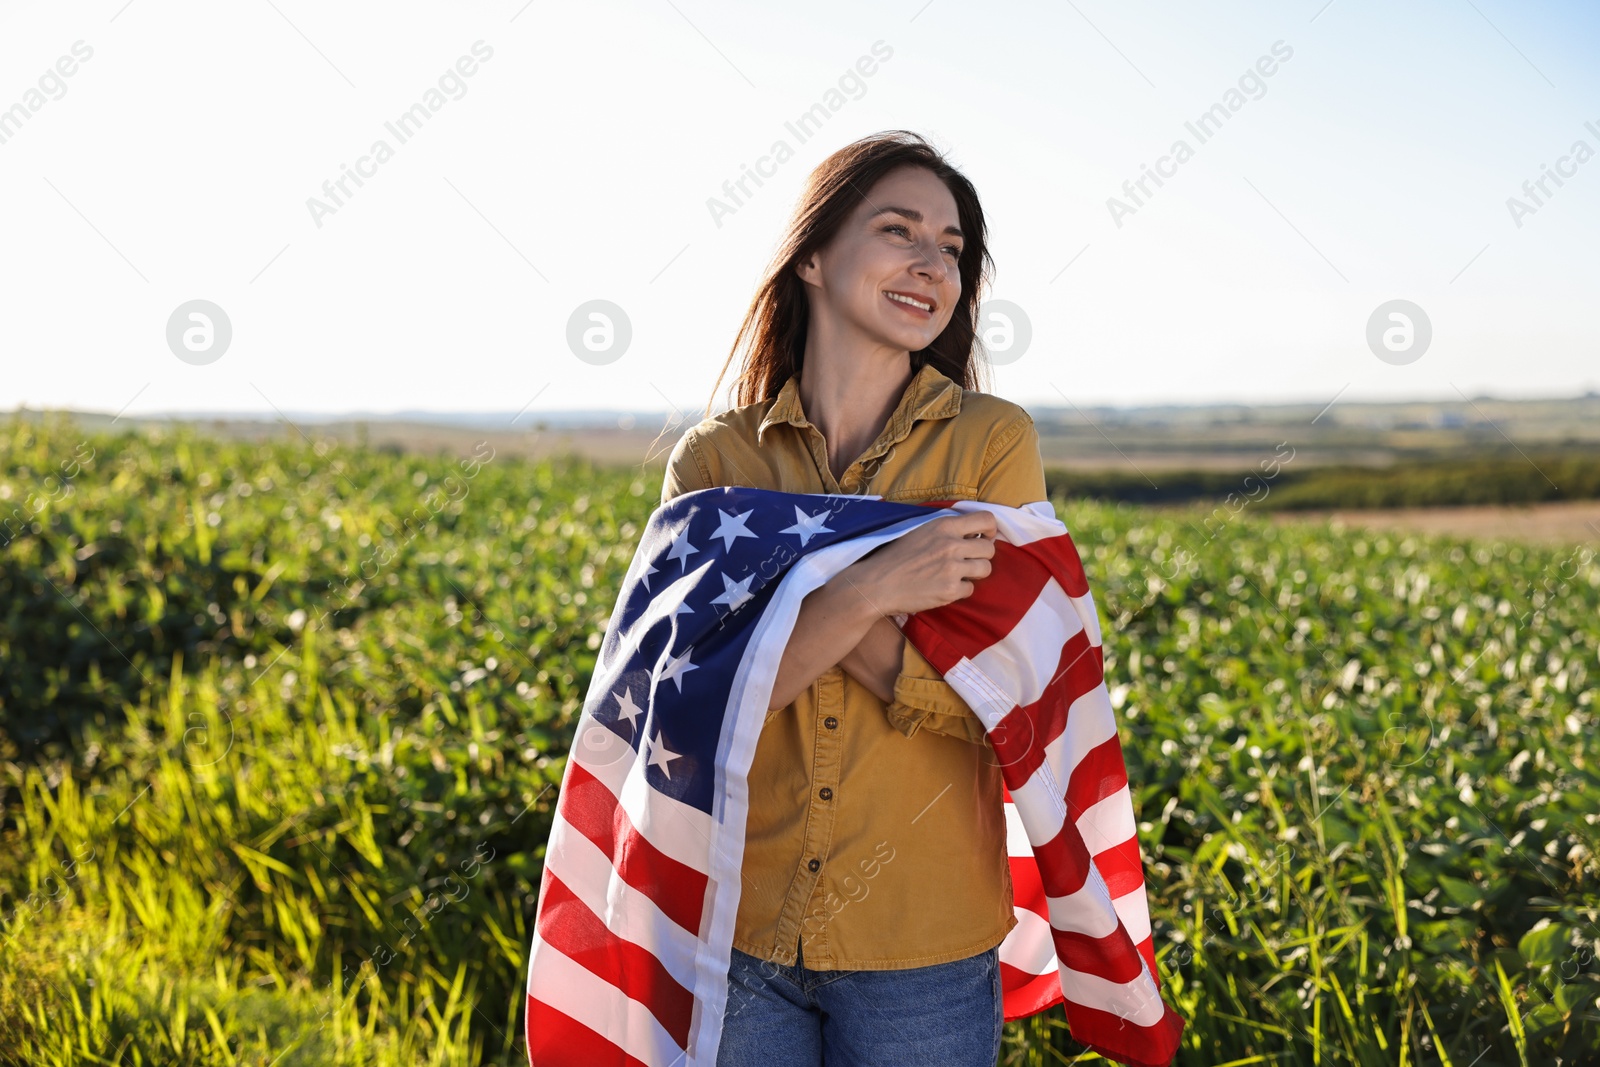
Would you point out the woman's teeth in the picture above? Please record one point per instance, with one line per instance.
(909, 301)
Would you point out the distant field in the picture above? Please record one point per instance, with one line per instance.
(1574, 523)
(1278, 485)
(1133, 443)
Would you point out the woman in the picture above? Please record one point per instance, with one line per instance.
(876, 884)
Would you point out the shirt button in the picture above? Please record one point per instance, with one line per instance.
(831, 723)
(813, 864)
(825, 793)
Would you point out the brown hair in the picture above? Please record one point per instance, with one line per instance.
(775, 324)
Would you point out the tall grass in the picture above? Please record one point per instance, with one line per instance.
(265, 803)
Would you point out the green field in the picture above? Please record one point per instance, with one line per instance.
(282, 725)
(1413, 483)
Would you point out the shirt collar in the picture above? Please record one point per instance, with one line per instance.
(930, 395)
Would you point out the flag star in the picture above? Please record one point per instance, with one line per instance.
(629, 710)
(661, 755)
(732, 526)
(681, 548)
(808, 526)
(734, 594)
(644, 575)
(677, 667)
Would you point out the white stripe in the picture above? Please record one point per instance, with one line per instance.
(1088, 616)
(1034, 521)
(1024, 661)
(677, 829)
(1017, 843)
(1090, 723)
(1044, 509)
(1134, 910)
(1136, 1001)
(1042, 799)
(556, 980)
(988, 701)
(1108, 822)
(1028, 947)
(625, 911)
(1043, 813)
(1088, 911)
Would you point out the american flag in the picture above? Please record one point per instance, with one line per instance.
(629, 960)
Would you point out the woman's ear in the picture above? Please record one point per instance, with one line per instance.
(807, 269)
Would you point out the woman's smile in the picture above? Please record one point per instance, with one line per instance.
(921, 307)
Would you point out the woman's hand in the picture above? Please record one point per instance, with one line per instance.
(933, 565)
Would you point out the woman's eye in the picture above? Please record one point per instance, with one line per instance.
(954, 250)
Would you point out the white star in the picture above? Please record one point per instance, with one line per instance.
(808, 526)
(644, 575)
(677, 667)
(734, 594)
(630, 710)
(660, 755)
(732, 526)
(681, 548)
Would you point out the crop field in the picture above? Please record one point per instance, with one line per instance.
(282, 726)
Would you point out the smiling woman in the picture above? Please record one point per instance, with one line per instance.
(859, 377)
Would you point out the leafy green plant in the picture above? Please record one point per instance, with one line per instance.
(284, 726)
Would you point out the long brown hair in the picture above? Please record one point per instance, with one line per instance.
(776, 322)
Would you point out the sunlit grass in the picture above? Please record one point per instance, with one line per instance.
(279, 780)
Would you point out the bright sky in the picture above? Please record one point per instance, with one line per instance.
(576, 160)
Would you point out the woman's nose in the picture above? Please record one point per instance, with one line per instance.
(930, 264)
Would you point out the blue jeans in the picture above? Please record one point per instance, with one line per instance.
(943, 1015)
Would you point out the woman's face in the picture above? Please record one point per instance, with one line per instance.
(903, 238)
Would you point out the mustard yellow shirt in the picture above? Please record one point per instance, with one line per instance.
(876, 831)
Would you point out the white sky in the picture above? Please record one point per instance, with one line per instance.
(1376, 165)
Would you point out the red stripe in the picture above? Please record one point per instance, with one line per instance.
(1027, 887)
(1058, 553)
(1027, 994)
(567, 925)
(1020, 738)
(1063, 862)
(1121, 867)
(1147, 949)
(1112, 957)
(1061, 556)
(590, 807)
(964, 628)
(1098, 775)
(1119, 1040)
(556, 1039)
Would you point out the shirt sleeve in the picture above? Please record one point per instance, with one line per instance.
(686, 471)
(1013, 475)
